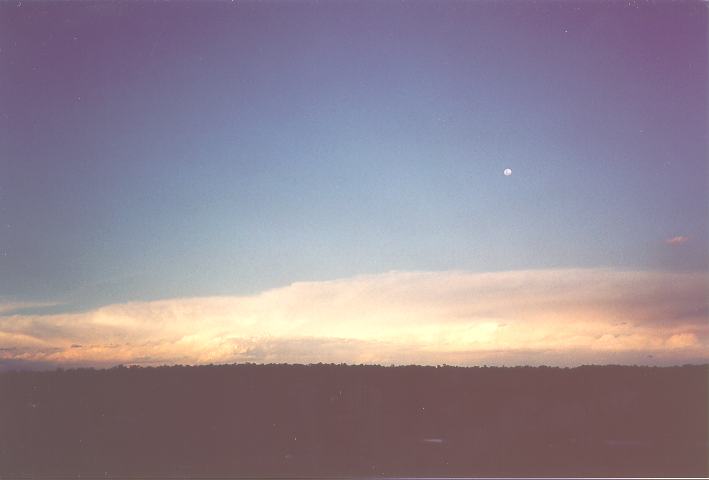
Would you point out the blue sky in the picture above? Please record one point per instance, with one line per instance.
(162, 150)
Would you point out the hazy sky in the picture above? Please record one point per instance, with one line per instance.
(221, 150)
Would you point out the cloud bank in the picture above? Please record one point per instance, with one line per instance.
(553, 317)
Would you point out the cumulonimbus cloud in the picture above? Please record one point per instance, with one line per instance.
(554, 317)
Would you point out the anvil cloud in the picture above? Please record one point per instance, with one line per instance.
(554, 317)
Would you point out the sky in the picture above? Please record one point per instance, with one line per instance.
(191, 182)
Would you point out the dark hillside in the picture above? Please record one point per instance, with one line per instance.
(356, 420)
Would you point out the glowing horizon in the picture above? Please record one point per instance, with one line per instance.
(554, 317)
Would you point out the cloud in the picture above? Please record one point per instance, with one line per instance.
(678, 240)
(556, 317)
(9, 307)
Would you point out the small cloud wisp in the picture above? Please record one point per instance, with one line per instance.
(677, 240)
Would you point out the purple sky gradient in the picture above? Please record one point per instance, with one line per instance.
(182, 149)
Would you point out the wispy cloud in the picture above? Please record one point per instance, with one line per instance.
(519, 317)
(678, 240)
(9, 307)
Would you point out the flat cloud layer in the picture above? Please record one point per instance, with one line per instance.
(553, 317)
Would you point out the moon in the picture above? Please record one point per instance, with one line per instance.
(507, 172)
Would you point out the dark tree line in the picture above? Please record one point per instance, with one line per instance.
(356, 420)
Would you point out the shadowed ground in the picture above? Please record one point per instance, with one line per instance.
(356, 420)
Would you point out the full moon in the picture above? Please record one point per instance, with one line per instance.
(507, 172)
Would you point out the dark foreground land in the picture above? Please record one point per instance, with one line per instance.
(356, 420)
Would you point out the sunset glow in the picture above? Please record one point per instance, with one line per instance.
(195, 182)
(557, 317)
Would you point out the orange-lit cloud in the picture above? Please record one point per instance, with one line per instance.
(561, 317)
(678, 240)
